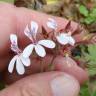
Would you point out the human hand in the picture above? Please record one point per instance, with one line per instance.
(49, 83)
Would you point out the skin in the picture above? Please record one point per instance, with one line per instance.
(14, 21)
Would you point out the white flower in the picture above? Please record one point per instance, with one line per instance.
(18, 59)
(52, 24)
(37, 45)
(65, 38)
(62, 38)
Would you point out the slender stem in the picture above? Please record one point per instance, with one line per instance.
(41, 66)
(51, 65)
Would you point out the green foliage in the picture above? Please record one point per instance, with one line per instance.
(83, 10)
(84, 90)
(89, 15)
(90, 57)
(9, 1)
(94, 93)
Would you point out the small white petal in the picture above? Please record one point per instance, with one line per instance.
(26, 61)
(62, 39)
(28, 50)
(27, 31)
(51, 19)
(47, 43)
(52, 23)
(20, 67)
(12, 64)
(13, 39)
(34, 28)
(40, 50)
(71, 41)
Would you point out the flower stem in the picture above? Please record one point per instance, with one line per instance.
(42, 66)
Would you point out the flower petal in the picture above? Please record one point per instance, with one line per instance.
(62, 39)
(13, 39)
(28, 50)
(40, 50)
(26, 61)
(12, 63)
(20, 67)
(27, 32)
(34, 28)
(71, 41)
(47, 43)
(52, 23)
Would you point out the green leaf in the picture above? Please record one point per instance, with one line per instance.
(92, 71)
(92, 49)
(9, 1)
(83, 10)
(93, 13)
(84, 90)
(94, 93)
(89, 20)
(91, 58)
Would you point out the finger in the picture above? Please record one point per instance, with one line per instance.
(46, 84)
(7, 26)
(36, 66)
(71, 68)
(59, 63)
(17, 21)
(18, 18)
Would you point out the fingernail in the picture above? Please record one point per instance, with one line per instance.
(65, 86)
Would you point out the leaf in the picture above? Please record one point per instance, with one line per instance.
(84, 90)
(92, 71)
(91, 58)
(9, 1)
(89, 20)
(92, 51)
(83, 10)
(93, 13)
(92, 17)
(94, 93)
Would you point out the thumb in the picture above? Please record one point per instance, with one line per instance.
(46, 84)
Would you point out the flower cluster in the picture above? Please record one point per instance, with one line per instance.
(22, 58)
(63, 38)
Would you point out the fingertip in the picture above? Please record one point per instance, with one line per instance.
(44, 84)
(64, 82)
(80, 74)
(71, 68)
